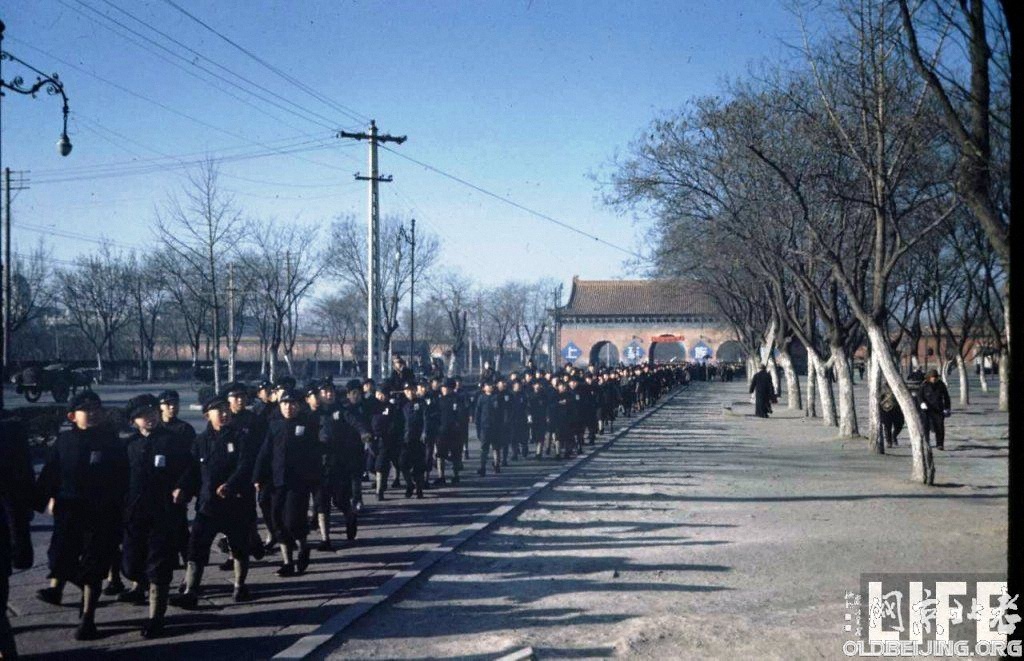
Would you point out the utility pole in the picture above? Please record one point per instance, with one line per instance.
(410, 238)
(373, 240)
(556, 296)
(7, 261)
(231, 323)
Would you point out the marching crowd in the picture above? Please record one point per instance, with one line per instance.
(121, 505)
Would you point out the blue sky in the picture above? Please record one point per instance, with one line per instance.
(522, 98)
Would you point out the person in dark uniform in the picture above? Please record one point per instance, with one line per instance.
(413, 453)
(537, 416)
(487, 415)
(253, 427)
(160, 465)
(933, 398)
(83, 484)
(387, 442)
(170, 404)
(449, 439)
(519, 426)
(290, 460)
(560, 419)
(467, 403)
(430, 395)
(591, 401)
(400, 375)
(503, 398)
(17, 486)
(763, 391)
(341, 431)
(221, 478)
(356, 410)
(577, 415)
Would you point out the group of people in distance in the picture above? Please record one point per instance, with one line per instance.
(147, 495)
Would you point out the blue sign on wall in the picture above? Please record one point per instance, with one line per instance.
(633, 353)
(571, 352)
(701, 352)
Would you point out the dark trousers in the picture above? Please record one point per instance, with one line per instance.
(150, 548)
(235, 526)
(84, 542)
(290, 507)
(934, 422)
(265, 500)
(413, 461)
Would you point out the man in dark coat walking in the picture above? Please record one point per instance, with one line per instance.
(763, 390)
(933, 400)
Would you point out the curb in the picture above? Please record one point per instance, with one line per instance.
(336, 624)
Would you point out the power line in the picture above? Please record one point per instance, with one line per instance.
(158, 104)
(351, 113)
(501, 198)
(301, 113)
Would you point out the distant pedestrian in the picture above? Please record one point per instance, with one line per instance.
(891, 416)
(933, 400)
(763, 391)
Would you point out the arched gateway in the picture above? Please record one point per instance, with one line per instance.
(640, 321)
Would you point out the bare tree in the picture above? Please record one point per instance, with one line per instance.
(281, 269)
(201, 228)
(96, 300)
(340, 317)
(148, 297)
(32, 289)
(532, 315)
(453, 293)
(347, 257)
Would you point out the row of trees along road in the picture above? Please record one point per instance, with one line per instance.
(854, 194)
(213, 275)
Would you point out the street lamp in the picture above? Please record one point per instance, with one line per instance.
(53, 86)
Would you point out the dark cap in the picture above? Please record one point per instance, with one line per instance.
(311, 389)
(141, 405)
(368, 381)
(284, 382)
(168, 396)
(214, 402)
(382, 389)
(931, 373)
(408, 385)
(290, 395)
(354, 385)
(449, 383)
(235, 388)
(86, 399)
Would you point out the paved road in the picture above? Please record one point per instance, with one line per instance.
(393, 535)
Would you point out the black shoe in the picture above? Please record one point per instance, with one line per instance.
(241, 594)
(227, 565)
(440, 482)
(504, 462)
(481, 472)
(188, 601)
(408, 491)
(325, 546)
(302, 563)
(50, 595)
(351, 526)
(152, 629)
(455, 479)
(380, 494)
(86, 631)
(137, 596)
(419, 492)
(222, 544)
(114, 588)
(286, 570)
(258, 552)
(397, 484)
(270, 546)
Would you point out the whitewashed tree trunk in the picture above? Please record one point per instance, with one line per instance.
(828, 404)
(1004, 380)
(793, 395)
(965, 386)
(875, 441)
(751, 368)
(99, 366)
(923, 465)
(982, 377)
(847, 405)
(811, 411)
